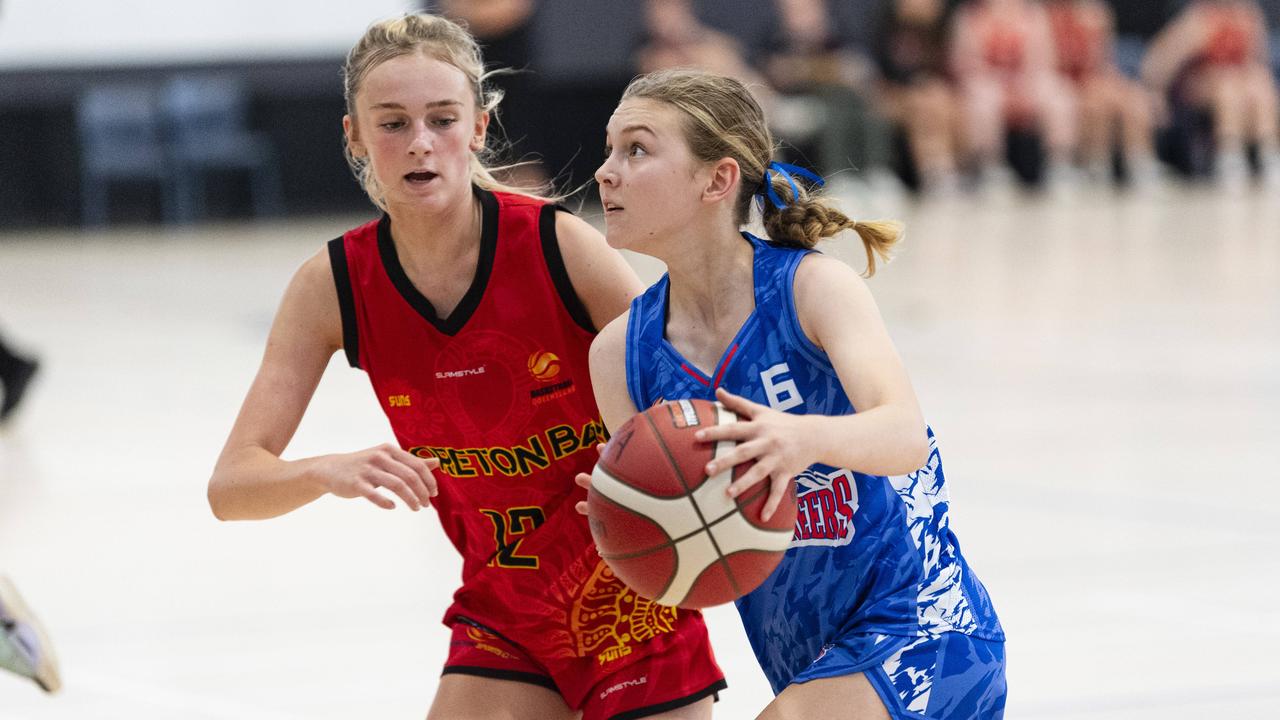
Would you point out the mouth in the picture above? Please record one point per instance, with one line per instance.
(420, 177)
(611, 208)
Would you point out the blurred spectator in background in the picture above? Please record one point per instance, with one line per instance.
(1003, 58)
(911, 55)
(16, 372)
(825, 85)
(1213, 64)
(504, 29)
(1109, 104)
(1136, 23)
(674, 37)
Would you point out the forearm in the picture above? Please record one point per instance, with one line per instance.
(253, 484)
(886, 440)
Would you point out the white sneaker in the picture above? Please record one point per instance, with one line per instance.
(1270, 169)
(24, 646)
(1146, 176)
(1231, 171)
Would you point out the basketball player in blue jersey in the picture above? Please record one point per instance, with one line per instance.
(873, 612)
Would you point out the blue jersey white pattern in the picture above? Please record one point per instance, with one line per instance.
(873, 564)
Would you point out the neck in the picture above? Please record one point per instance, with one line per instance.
(711, 280)
(424, 237)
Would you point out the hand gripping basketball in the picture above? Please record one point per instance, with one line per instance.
(669, 530)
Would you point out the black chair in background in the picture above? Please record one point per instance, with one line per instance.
(206, 124)
(121, 141)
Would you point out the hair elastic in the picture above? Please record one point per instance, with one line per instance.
(785, 170)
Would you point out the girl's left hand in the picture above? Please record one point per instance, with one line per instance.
(782, 446)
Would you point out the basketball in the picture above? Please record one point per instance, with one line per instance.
(668, 531)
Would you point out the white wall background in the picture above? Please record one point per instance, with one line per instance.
(60, 33)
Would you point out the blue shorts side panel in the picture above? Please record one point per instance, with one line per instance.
(948, 677)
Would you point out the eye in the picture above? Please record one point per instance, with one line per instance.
(392, 125)
(637, 150)
(608, 150)
(445, 121)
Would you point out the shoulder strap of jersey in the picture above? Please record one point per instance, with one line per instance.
(555, 266)
(346, 300)
(638, 350)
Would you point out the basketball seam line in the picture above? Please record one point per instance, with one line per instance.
(696, 509)
(671, 542)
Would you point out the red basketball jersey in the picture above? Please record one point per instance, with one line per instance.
(500, 392)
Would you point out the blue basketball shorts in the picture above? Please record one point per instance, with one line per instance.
(951, 676)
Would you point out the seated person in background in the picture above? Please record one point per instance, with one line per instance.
(1004, 63)
(1214, 58)
(818, 71)
(505, 30)
(1109, 104)
(911, 55)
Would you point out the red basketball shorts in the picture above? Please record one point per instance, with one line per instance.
(670, 670)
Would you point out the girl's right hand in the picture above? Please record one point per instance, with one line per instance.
(584, 481)
(360, 474)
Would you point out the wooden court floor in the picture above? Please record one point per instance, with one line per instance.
(1103, 372)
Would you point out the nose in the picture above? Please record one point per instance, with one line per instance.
(605, 174)
(421, 142)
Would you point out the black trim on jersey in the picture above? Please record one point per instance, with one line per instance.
(712, 690)
(346, 300)
(515, 675)
(555, 265)
(484, 266)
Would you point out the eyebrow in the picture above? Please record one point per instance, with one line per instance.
(637, 127)
(398, 106)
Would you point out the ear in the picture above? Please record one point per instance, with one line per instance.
(353, 141)
(722, 181)
(478, 133)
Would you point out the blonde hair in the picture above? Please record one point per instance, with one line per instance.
(445, 41)
(723, 120)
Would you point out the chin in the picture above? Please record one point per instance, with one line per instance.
(617, 238)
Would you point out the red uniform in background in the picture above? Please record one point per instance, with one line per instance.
(1231, 38)
(500, 392)
(1081, 47)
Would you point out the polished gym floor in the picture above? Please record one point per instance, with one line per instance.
(1103, 371)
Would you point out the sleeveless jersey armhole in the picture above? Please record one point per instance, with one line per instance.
(555, 265)
(806, 346)
(346, 301)
(631, 360)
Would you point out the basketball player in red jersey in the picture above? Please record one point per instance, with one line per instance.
(1004, 66)
(471, 307)
(1214, 56)
(1110, 104)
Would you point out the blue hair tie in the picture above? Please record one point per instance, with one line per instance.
(784, 170)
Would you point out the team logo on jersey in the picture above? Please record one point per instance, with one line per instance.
(826, 504)
(486, 641)
(544, 366)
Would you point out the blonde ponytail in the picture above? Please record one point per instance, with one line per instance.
(809, 217)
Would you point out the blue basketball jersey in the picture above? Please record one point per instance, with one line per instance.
(873, 563)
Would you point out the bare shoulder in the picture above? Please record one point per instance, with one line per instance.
(609, 349)
(830, 293)
(609, 373)
(601, 278)
(823, 274)
(575, 232)
(310, 303)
